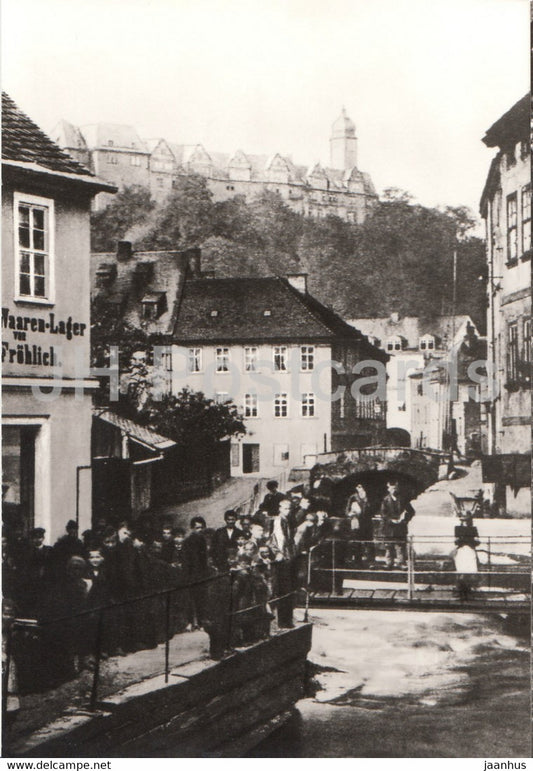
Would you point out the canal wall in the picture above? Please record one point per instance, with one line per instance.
(207, 708)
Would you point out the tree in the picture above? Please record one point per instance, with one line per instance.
(192, 420)
(129, 209)
(186, 217)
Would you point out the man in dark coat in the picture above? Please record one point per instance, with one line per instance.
(65, 547)
(272, 499)
(196, 565)
(37, 572)
(396, 514)
(225, 538)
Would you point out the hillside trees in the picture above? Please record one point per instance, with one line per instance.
(400, 259)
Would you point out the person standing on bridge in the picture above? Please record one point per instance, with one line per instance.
(396, 514)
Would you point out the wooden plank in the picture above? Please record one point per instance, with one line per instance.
(215, 704)
(264, 657)
(207, 737)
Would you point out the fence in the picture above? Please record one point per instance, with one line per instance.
(420, 562)
(236, 609)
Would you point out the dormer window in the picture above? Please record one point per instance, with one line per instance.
(153, 305)
(267, 312)
(395, 343)
(427, 343)
(214, 314)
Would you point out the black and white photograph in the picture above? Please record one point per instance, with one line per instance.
(266, 381)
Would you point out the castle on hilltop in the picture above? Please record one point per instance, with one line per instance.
(117, 154)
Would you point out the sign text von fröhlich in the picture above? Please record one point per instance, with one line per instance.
(21, 352)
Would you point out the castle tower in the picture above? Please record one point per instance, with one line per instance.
(343, 143)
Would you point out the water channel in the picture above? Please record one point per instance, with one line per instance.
(411, 684)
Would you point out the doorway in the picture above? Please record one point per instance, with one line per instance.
(250, 458)
(18, 476)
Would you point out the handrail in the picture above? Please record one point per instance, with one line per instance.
(97, 612)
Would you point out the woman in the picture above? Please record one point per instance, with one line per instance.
(466, 564)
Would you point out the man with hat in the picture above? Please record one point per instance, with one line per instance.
(65, 547)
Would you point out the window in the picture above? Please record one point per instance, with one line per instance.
(149, 310)
(166, 362)
(526, 351)
(512, 353)
(307, 353)
(308, 405)
(222, 359)
(342, 405)
(194, 360)
(250, 405)
(394, 344)
(135, 160)
(427, 343)
(34, 228)
(112, 158)
(526, 218)
(110, 143)
(365, 409)
(250, 359)
(512, 243)
(281, 407)
(221, 397)
(280, 358)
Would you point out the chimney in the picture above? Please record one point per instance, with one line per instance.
(124, 250)
(298, 281)
(194, 261)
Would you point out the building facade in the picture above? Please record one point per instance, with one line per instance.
(118, 154)
(263, 343)
(268, 345)
(506, 209)
(47, 405)
(413, 343)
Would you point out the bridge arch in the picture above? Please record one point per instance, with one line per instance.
(415, 470)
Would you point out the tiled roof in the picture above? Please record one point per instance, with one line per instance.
(255, 309)
(136, 432)
(513, 126)
(412, 328)
(23, 141)
(144, 275)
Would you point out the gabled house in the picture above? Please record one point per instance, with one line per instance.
(506, 208)
(285, 359)
(46, 381)
(411, 342)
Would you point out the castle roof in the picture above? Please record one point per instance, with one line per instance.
(113, 135)
(343, 126)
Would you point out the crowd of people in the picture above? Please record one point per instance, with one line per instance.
(155, 579)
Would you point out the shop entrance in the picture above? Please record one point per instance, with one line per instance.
(18, 476)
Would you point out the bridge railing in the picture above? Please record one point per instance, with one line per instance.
(498, 564)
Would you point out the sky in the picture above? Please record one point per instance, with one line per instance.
(421, 79)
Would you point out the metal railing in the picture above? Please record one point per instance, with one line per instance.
(503, 562)
(230, 620)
